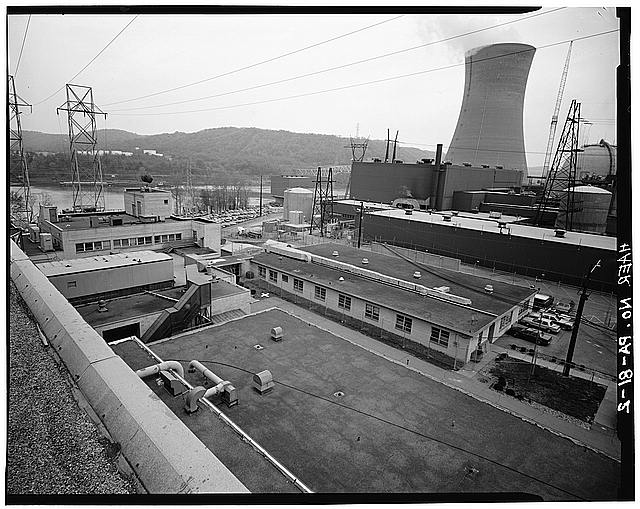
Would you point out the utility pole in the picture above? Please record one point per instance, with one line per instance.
(260, 195)
(360, 223)
(576, 324)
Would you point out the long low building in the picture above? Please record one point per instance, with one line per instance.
(444, 317)
(528, 250)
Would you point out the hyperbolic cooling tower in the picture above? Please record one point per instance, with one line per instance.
(489, 129)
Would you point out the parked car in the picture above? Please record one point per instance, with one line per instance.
(565, 322)
(563, 307)
(544, 324)
(530, 334)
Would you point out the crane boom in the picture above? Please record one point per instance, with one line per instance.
(556, 111)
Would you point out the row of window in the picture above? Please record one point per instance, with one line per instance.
(100, 245)
(505, 321)
(371, 311)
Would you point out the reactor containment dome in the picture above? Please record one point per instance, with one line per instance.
(489, 129)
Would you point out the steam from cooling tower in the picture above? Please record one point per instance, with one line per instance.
(489, 129)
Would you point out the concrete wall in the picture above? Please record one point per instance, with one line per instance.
(145, 322)
(240, 301)
(208, 234)
(528, 256)
(85, 283)
(461, 178)
(166, 456)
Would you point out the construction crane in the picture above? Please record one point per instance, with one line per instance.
(554, 118)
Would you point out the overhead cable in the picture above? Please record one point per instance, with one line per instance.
(355, 85)
(329, 69)
(24, 38)
(255, 64)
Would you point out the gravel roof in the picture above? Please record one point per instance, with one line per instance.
(52, 445)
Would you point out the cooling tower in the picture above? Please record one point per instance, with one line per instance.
(489, 129)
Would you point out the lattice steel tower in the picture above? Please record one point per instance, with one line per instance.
(322, 210)
(16, 146)
(88, 188)
(560, 183)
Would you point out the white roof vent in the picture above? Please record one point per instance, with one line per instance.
(263, 381)
(335, 253)
(488, 288)
(443, 289)
(276, 333)
(102, 306)
(417, 274)
(365, 261)
(340, 278)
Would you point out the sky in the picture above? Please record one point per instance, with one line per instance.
(224, 54)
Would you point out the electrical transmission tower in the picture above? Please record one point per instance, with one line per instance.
(16, 147)
(358, 150)
(560, 183)
(188, 180)
(86, 178)
(556, 111)
(322, 210)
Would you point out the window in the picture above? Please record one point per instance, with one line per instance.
(140, 241)
(344, 302)
(298, 285)
(262, 272)
(71, 284)
(285, 278)
(156, 239)
(106, 244)
(439, 336)
(172, 237)
(79, 248)
(522, 310)
(166, 202)
(125, 242)
(88, 246)
(404, 323)
(320, 293)
(117, 243)
(505, 321)
(273, 276)
(165, 238)
(372, 312)
(178, 236)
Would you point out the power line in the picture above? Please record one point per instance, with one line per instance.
(391, 423)
(15, 74)
(255, 64)
(90, 62)
(345, 87)
(314, 73)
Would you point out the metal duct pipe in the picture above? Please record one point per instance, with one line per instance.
(217, 389)
(436, 177)
(155, 369)
(197, 366)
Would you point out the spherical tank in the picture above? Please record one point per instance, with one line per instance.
(596, 161)
(298, 198)
(490, 129)
(591, 209)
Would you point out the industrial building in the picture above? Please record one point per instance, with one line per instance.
(147, 225)
(442, 316)
(490, 128)
(386, 182)
(500, 244)
(107, 276)
(280, 183)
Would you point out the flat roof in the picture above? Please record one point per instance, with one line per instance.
(370, 204)
(392, 430)
(124, 308)
(250, 467)
(101, 262)
(83, 222)
(516, 230)
(442, 313)
(504, 297)
(145, 191)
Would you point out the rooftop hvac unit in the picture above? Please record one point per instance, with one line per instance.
(454, 213)
(263, 381)
(446, 218)
(485, 165)
(417, 274)
(466, 164)
(46, 242)
(365, 261)
(398, 161)
(488, 288)
(560, 233)
(115, 221)
(443, 289)
(499, 167)
(34, 234)
(276, 333)
(427, 161)
(171, 383)
(408, 212)
(495, 215)
(335, 253)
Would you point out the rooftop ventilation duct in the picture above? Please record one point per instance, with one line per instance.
(227, 391)
(276, 333)
(263, 381)
(156, 368)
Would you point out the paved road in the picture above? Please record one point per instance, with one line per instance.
(600, 438)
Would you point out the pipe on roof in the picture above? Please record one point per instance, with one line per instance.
(156, 368)
(207, 373)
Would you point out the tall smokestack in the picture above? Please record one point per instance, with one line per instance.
(489, 129)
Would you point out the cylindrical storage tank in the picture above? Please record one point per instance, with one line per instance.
(296, 217)
(298, 198)
(591, 209)
(489, 129)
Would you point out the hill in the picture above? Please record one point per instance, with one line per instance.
(224, 150)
